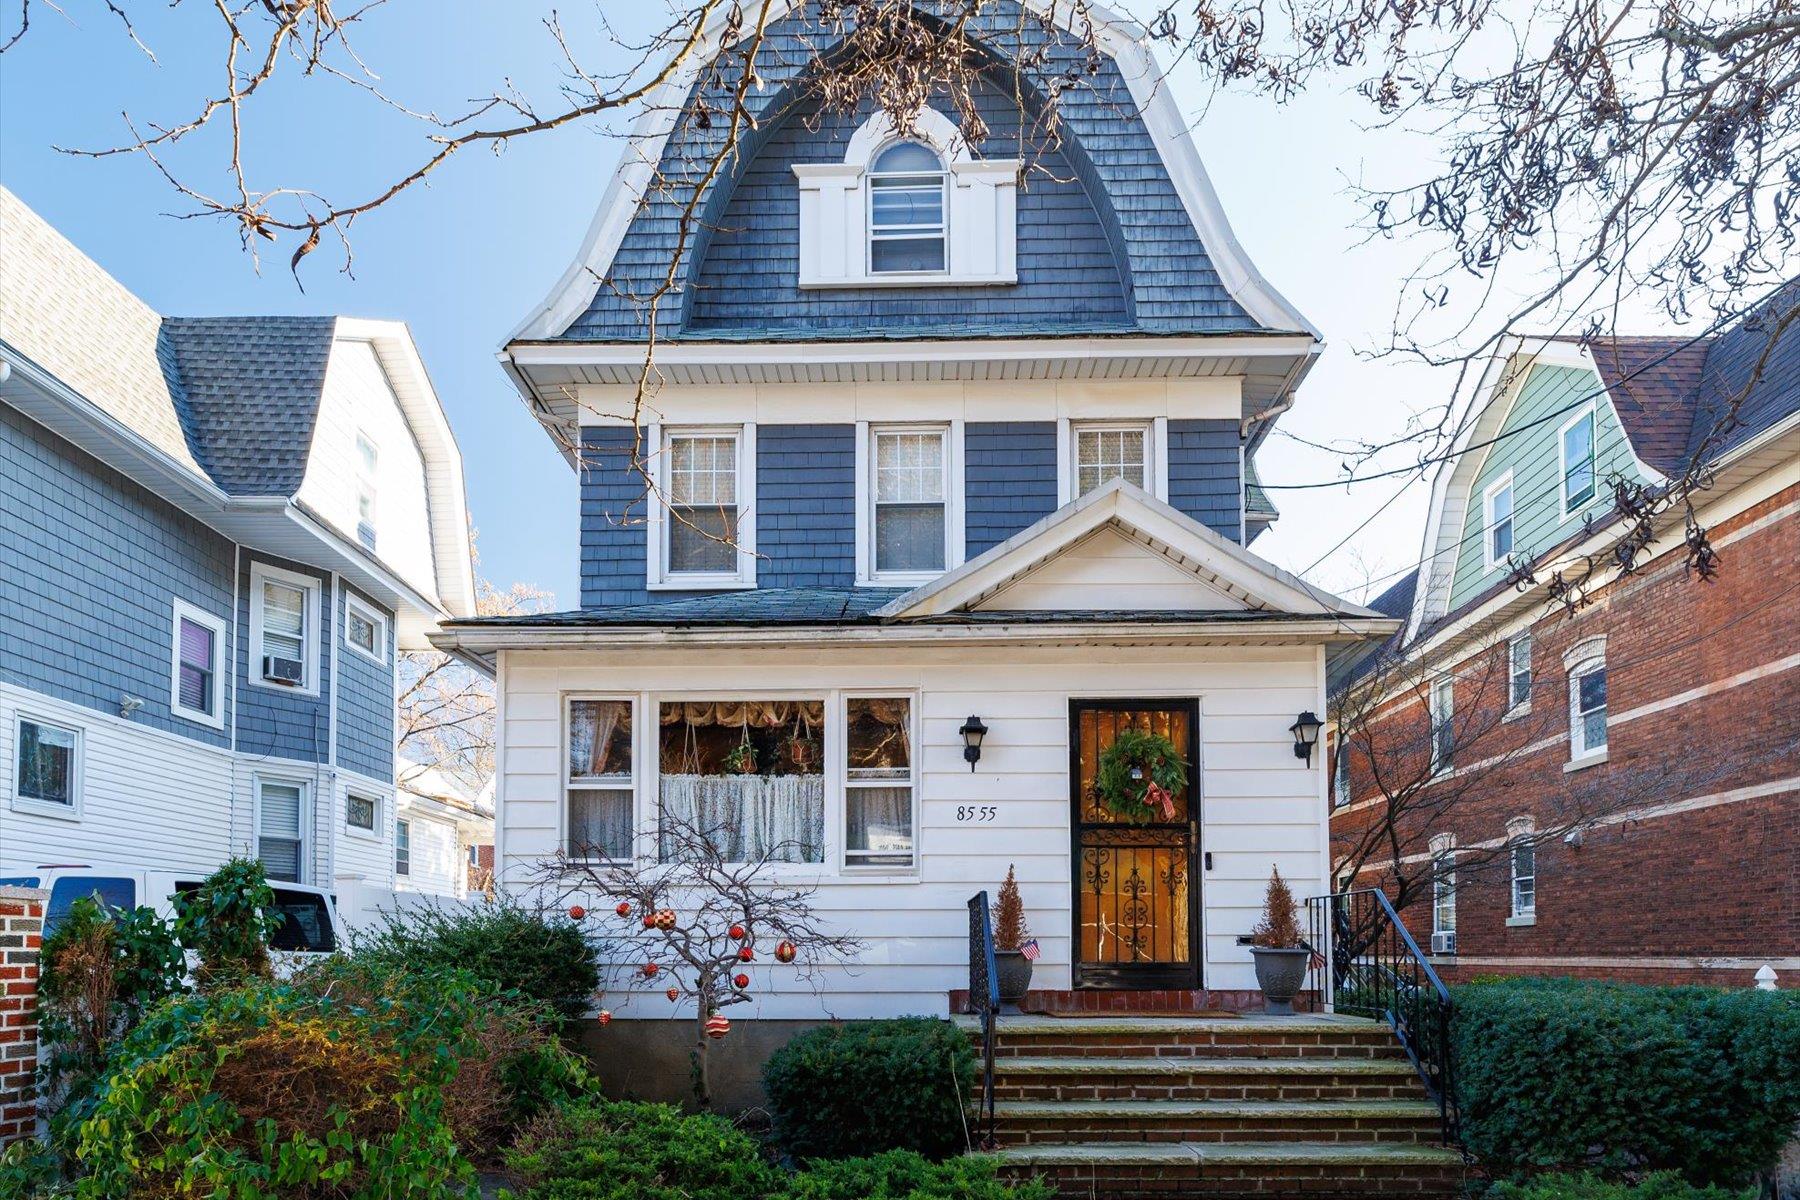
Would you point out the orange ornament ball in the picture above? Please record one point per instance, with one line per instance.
(650, 970)
(737, 933)
(624, 909)
(746, 954)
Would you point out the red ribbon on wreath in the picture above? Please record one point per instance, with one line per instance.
(1160, 797)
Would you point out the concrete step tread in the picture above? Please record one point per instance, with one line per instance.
(1249, 1109)
(1103, 1025)
(1269, 1154)
(1198, 1065)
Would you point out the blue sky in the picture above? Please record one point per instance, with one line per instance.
(462, 260)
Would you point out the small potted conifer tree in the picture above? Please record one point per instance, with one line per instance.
(1275, 945)
(1010, 963)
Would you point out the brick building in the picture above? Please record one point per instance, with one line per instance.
(1609, 787)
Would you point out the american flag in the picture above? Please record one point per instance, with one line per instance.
(1030, 950)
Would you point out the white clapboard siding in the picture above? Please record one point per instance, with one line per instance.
(363, 854)
(435, 859)
(1261, 807)
(149, 799)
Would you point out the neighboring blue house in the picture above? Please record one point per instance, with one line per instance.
(215, 535)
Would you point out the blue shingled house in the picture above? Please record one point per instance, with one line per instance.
(215, 535)
(941, 480)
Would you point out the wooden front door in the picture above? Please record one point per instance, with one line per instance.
(1137, 905)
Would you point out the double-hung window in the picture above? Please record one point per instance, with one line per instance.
(403, 847)
(1443, 724)
(284, 615)
(368, 460)
(1518, 671)
(705, 541)
(281, 807)
(1497, 532)
(599, 794)
(1587, 708)
(879, 782)
(47, 767)
(1443, 895)
(197, 666)
(910, 521)
(907, 218)
(1577, 455)
(1522, 859)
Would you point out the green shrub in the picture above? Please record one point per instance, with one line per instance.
(904, 1175)
(868, 1086)
(545, 959)
(1663, 1185)
(1565, 1074)
(228, 921)
(602, 1150)
(28, 1171)
(345, 1083)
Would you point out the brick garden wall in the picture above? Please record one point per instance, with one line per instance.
(1691, 875)
(21, 930)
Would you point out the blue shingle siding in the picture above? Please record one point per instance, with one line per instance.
(1204, 478)
(90, 564)
(612, 520)
(805, 506)
(1009, 479)
(276, 722)
(365, 724)
(748, 281)
(1125, 196)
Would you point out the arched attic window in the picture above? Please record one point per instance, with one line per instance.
(908, 210)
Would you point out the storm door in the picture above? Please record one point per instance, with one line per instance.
(1137, 904)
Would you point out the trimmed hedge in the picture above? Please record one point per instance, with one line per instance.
(1571, 1074)
(868, 1086)
(1664, 1185)
(904, 1175)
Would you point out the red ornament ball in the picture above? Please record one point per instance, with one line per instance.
(717, 1026)
(737, 933)
(650, 970)
(746, 954)
(649, 920)
(605, 1018)
(576, 912)
(624, 909)
(740, 981)
(674, 994)
(785, 952)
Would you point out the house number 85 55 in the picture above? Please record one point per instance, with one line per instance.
(976, 812)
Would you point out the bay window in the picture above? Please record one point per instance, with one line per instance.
(745, 775)
(879, 784)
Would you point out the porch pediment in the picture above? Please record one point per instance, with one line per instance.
(1117, 549)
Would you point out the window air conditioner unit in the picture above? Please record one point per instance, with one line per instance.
(1444, 942)
(290, 672)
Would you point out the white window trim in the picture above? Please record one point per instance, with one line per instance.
(1519, 708)
(1446, 687)
(375, 834)
(634, 783)
(1156, 451)
(352, 604)
(869, 239)
(839, 782)
(1587, 413)
(1516, 829)
(1580, 753)
(309, 649)
(307, 833)
(398, 873)
(77, 772)
(183, 611)
(658, 577)
(955, 531)
(1504, 483)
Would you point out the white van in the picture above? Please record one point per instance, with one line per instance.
(310, 926)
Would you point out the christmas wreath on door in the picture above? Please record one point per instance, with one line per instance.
(1138, 776)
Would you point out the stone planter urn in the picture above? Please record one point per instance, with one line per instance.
(1279, 973)
(1013, 970)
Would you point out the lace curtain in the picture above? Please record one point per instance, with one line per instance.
(780, 818)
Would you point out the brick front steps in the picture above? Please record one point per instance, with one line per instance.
(1124, 1106)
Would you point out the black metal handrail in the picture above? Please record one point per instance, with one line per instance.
(984, 1002)
(1365, 962)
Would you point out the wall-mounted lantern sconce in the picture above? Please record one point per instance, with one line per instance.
(1305, 729)
(972, 732)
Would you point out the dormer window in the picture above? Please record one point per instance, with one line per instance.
(908, 207)
(906, 210)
